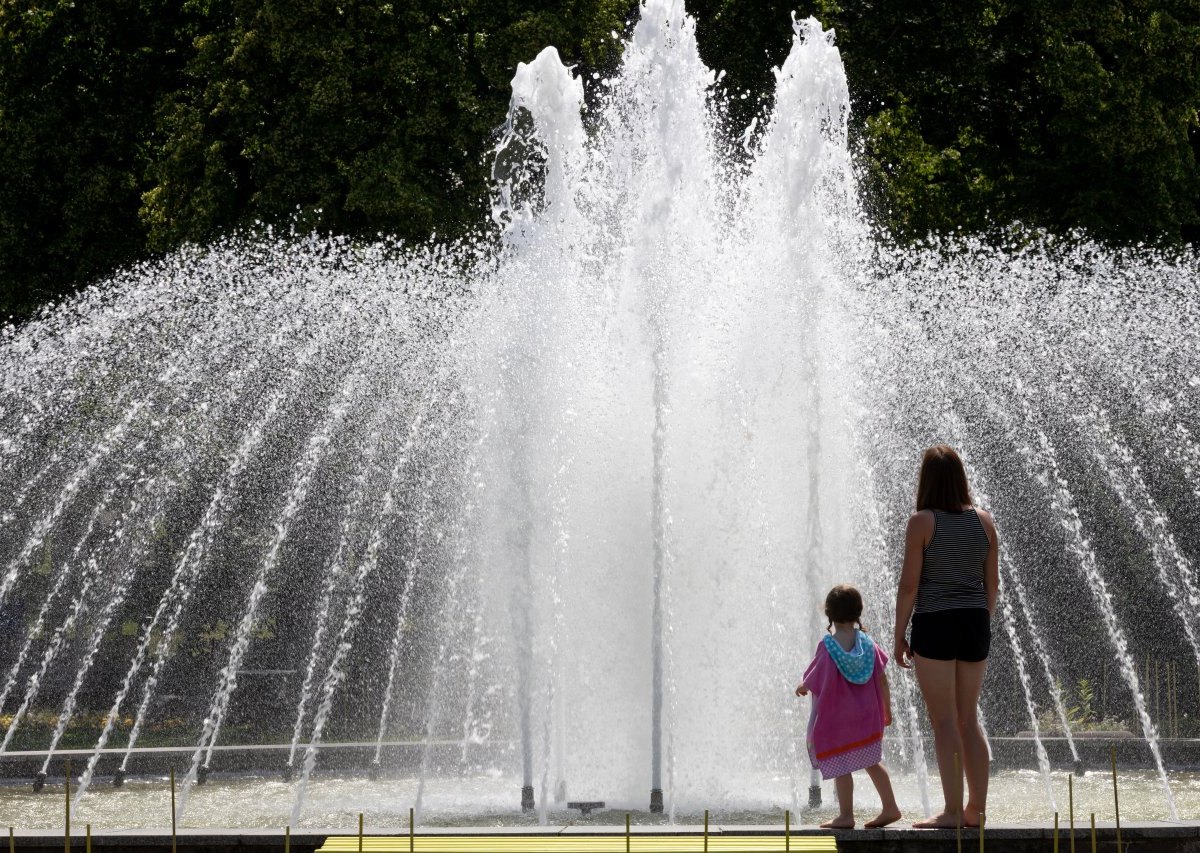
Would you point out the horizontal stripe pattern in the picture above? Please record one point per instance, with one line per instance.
(952, 568)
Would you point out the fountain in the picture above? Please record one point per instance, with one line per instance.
(555, 509)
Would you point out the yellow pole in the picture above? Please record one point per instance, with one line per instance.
(1116, 798)
(1071, 807)
(360, 831)
(172, 810)
(787, 830)
(626, 832)
(12, 842)
(706, 831)
(982, 821)
(67, 789)
(287, 839)
(1056, 832)
(412, 829)
(1093, 832)
(87, 845)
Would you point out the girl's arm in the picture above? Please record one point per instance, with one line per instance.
(916, 536)
(811, 681)
(991, 566)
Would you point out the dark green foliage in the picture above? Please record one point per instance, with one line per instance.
(746, 40)
(78, 86)
(358, 117)
(129, 126)
(1062, 115)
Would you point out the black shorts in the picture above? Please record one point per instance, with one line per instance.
(962, 634)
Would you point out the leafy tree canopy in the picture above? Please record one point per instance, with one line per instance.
(356, 116)
(1062, 114)
(130, 126)
(79, 82)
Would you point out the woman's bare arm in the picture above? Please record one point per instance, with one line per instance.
(991, 566)
(916, 536)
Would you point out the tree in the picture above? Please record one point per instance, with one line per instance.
(1059, 115)
(130, 126)
(357, 116)
(973, 113)
(78, 85)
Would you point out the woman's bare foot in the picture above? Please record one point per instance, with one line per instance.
(971, 816)
(839, 822)
(941, 821)
(885, 817)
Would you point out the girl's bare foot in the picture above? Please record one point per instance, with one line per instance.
(839, 822)
(941, 821)
(885, 817)
(971, 816)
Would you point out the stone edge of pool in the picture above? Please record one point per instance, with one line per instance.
(1167, 836)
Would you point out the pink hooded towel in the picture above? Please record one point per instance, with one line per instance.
(845, 731)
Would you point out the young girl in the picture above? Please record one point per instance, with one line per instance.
(851, 707)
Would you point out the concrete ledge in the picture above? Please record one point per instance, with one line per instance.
(1148, 836)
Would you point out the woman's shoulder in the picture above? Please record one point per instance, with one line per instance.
(922, 521)
(985, 518)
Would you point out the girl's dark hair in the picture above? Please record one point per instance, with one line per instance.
(942, 483)
(843, 604)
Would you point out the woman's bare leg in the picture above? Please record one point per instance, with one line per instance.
(968, 684)
(937, 680)
(845, 794)
(883, 784)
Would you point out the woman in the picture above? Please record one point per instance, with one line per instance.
(948, 586)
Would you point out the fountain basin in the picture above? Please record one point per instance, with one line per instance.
(261, 802)
(401, 758)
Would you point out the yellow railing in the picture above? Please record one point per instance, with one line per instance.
(614, 843)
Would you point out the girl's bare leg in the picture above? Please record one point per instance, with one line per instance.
(845, 793)
(883, 784)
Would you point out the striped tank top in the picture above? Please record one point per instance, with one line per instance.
(952, 568)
